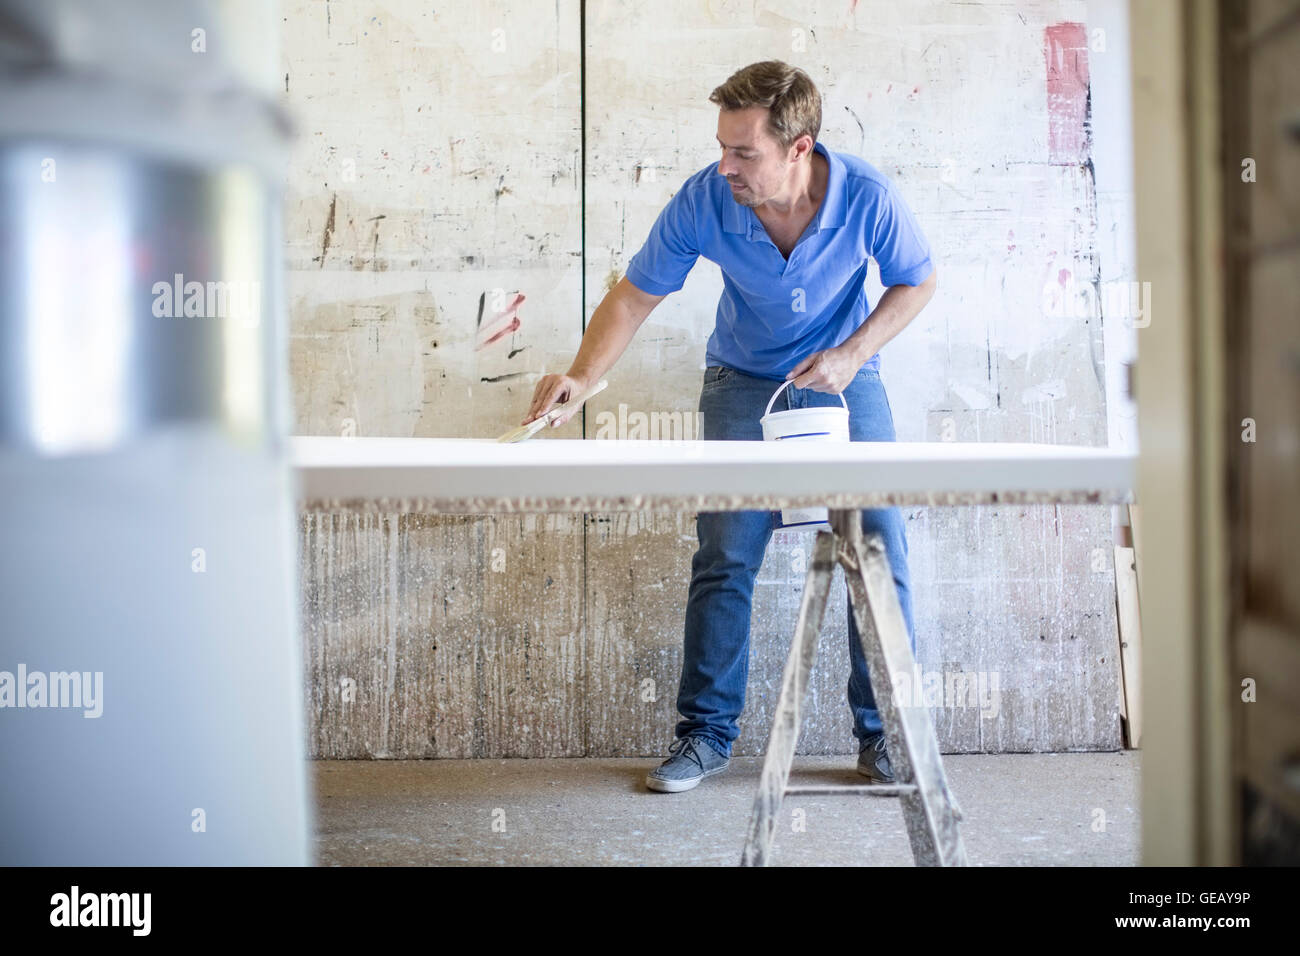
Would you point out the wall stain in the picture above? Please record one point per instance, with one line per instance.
(329, 229)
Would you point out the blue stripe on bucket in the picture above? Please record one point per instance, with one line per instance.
(804, 524)
(802, 435)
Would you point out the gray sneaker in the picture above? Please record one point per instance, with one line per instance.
(873, 760)
(692, 760)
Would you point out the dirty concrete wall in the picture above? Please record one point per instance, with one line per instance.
(438, 180)
(434, 181)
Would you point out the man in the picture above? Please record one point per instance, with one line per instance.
(792, 225)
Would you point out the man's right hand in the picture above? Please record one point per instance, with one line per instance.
(554, 390)
(612, 326)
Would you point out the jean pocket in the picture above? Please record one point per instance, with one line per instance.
(717, 374)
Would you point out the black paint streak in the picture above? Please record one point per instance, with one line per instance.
(478, 323)
(860, 128)
(501, 378)
(329, 229)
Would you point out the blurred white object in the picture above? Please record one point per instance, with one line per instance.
(147, 514)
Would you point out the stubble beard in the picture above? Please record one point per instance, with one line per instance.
(746, 198)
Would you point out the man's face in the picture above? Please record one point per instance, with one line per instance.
(753, 161)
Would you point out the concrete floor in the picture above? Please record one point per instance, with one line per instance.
(1020, 810)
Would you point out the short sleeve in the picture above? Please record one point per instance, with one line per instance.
(670, 251)
(897, 243)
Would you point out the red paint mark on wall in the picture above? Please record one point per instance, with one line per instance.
(501, 324)
(1065, 46)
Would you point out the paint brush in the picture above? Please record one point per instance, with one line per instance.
(524, 432)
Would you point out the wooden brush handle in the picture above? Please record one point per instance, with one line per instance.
(575, 402)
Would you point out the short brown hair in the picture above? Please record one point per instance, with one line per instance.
(787, 92)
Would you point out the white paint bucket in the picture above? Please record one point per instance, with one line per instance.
(823, 423)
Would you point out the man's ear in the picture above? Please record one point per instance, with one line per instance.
(797, 147)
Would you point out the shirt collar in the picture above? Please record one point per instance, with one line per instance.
(741, 219)
(837, 185)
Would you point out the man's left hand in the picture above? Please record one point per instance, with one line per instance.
(828, 371)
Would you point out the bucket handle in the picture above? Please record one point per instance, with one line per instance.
(788, 382)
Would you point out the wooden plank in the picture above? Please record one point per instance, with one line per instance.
(786, 721)
(1130, 642)
(1135, 529)
(931, 813)
(468, 476)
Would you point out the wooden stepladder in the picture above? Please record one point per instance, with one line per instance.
(929, 808)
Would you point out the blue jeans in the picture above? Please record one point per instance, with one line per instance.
(732, 545)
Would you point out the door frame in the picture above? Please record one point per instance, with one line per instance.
(1187, 797)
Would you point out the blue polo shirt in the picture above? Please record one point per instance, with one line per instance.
(774, 313)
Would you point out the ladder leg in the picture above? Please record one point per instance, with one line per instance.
(787, 719)
(930, 810)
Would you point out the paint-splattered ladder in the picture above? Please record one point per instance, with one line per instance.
(929, 808)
